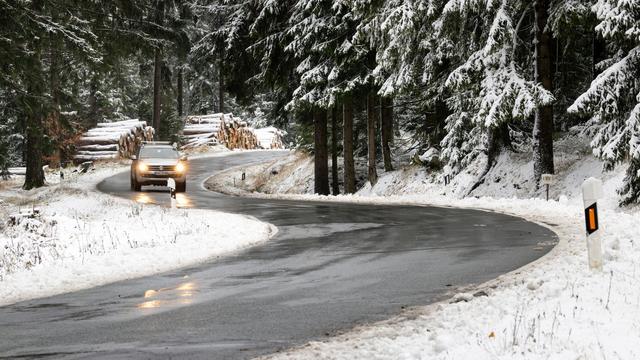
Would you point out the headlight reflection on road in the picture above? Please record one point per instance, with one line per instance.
(167, 297)
(144, 198)
(150, 304)
(183, 200)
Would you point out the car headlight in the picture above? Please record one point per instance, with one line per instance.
(143, 167)
(180, 167)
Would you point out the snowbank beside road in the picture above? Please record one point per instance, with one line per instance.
(82, 238)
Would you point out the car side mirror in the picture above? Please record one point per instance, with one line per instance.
(184, 158)
(134, 157)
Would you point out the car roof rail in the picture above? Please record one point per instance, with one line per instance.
(156, 143)
(164, 143)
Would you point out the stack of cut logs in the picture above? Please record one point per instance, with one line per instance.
(218, 129)
(204, 130)
(270, 138)
(112, 140)
(240, 135)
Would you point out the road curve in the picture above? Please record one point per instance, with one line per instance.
(331, 266)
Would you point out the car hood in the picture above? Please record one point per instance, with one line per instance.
(167, 162)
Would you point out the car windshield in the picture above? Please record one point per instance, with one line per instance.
(158, 153)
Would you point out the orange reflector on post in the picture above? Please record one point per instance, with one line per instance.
(591, 218)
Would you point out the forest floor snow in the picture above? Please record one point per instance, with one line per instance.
(554, 308)
(81, 238)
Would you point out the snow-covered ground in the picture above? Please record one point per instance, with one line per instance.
(82, 238)
(554, 308)
(278, 176)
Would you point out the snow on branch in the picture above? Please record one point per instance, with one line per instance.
(610, 87)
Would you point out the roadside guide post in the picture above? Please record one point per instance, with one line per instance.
(547, 180)
(591, 192)
(171, 183)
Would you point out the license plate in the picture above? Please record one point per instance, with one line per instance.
(161, 173)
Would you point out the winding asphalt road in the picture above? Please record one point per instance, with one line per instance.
(331, 267)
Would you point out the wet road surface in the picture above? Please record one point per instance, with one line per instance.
(331, 267)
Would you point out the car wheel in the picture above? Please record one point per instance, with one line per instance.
(135, 186)
(181, 187)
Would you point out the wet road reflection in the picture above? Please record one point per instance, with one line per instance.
(169, 297)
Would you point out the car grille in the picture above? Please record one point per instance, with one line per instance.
(162, 167)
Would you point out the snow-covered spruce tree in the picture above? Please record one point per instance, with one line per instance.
(411, 65)
(490, 88)
(613, 100)
(314, 33)
(10, 136)
(575, 55)
(30, 26)
(222, 38)
(275, 66)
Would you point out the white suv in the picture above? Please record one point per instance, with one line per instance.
(155, 163)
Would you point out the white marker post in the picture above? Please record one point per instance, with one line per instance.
(591, 192)
(171, 183)
(547, 180)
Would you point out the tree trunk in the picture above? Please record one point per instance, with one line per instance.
(347, 146)
(34, 112)
(221, 82)
(180, 92)
(54, 128)
(157, 79)
(93, 101)
(543, 126)
(335, 188)
(321, 165)
(34, 177)
(372, 120)
(387, 131)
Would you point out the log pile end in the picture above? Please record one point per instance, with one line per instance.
(112, 140)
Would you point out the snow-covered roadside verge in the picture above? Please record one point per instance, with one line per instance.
(553, 308)
(276, 176)
(82, 238)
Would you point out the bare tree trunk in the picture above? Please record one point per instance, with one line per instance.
(387, 131)
(55, 128)
(221, 82)
(157, 79)
(34, 176)
(543, 126)
(347, 146)
(335, 188)
(372, 120)
(34, 112)
(180, 92)
(93, 101)
(321, 160)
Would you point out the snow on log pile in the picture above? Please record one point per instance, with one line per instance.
(204, 130)
(112, 140)
(270, 138)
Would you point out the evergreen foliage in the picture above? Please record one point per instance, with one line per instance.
(461, 73)
(613, 99)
